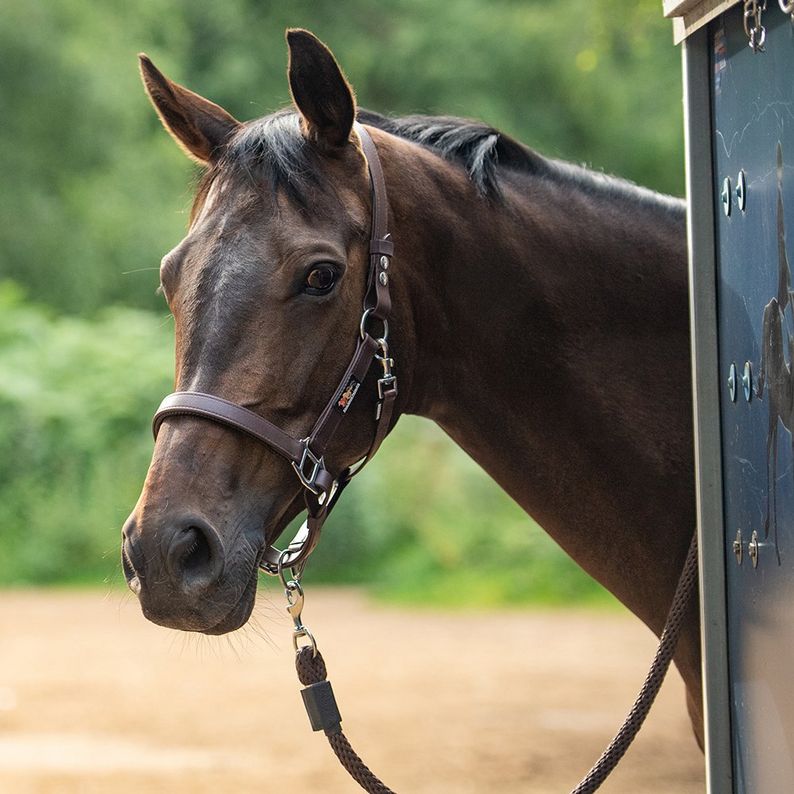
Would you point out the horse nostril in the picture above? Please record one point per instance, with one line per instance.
(126, 561)
(195, 557)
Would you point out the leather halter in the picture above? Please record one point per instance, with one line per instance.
(321, 487)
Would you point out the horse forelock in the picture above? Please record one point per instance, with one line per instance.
(269, 153)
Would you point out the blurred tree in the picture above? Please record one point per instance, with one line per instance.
(94, 193)
(74, 440)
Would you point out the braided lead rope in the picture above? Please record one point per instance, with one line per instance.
(661, 662)
(324, 715)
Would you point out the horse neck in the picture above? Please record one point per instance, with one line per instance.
(548, 336)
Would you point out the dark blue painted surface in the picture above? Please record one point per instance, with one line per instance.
(753, 111)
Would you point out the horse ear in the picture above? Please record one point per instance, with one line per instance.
(320, 91)
(199, 126)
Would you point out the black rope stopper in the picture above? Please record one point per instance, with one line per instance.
(318, 697)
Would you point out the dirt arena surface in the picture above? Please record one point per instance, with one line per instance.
(95, 699)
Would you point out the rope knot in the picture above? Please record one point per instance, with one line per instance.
(310, 666)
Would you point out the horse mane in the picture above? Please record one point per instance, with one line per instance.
(273, 149)
(478, 147)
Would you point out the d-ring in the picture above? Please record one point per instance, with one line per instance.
(365, 317)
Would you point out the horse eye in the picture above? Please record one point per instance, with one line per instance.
(320, 280)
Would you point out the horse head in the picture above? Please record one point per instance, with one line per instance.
(266, 291)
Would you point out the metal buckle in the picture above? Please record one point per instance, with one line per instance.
(385, 383)
(309, 481)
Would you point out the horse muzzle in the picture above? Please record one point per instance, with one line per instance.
(183, 576)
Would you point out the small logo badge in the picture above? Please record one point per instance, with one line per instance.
(347, 395)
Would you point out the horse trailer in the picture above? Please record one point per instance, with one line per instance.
(739, 106)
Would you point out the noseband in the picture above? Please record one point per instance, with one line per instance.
(321, 487)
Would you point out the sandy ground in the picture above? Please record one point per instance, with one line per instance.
(95, 699)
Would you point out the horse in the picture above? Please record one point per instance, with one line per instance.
(539, 317)
(775, 375)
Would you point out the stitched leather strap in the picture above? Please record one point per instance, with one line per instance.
(329, 420)
(227, 413)
(224, 412)
(386, 411)
(381, 247)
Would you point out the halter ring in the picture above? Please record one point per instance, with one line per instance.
(363, 326)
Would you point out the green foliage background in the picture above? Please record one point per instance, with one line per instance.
(94, 192)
